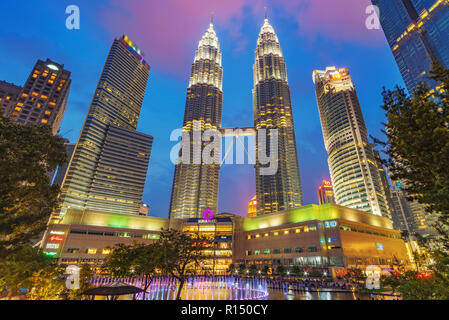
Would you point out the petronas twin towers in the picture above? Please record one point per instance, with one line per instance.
(195, 182)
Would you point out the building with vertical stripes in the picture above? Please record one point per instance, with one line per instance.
(195, 183)
(108, 167)
(353, 167)
(272, 109)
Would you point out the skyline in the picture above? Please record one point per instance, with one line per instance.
(237, 111)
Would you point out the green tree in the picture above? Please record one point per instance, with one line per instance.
(417, 131)
(280, 270)
(265, 269)
(180, 255)
(27, 154)
(297, 271)
(242, 268)
(418, 141)
(19, 269)
(231, 269)
(47, 284)
(135, 261)
(253, 269)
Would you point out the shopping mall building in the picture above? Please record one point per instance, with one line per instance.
(325, 236)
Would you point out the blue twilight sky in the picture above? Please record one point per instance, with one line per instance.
(313, 34)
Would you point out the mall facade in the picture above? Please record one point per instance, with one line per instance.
(325, 236)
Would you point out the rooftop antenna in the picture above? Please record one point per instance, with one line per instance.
(212, 18)
(266, 14)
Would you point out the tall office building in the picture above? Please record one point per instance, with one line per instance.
(109, 165)
(195, 184)
(385, 183)
(59, 175)
(252, 208)
(326, 193)
(410, 216)
(273, 110)
(417, 32)
(8, 95)
(43, 99)
(352, 164)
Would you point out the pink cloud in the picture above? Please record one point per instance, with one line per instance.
(169, 30)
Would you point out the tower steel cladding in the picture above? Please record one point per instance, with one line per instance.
(273, 110)
(417, 32)
(108, 168)
(195, 183)
(355, 175)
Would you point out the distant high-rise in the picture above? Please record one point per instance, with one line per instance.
(273, 110)
(410, 216)
(252, 207)
(108, 169)
(8, 95)
(43, 99)
(352, 164)
(61, 170)
(326, 193)
(417, 32)
(195, 184)
(384, 180)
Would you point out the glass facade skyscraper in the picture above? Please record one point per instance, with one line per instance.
(355, 176)
(272, 109)
(195, 184)
(417, 32)
(108, 167)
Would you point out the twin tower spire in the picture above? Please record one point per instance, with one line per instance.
(195, 183)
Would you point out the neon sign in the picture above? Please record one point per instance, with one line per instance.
(56, 238)
(208, 214)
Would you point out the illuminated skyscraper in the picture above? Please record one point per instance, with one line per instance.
(326, 193)
(43, 99)
(273, 110)
(195, 184)
(352, 164)
(8, 94)
(417, 32)
(410, 216)
(252, 208)
(109, 165)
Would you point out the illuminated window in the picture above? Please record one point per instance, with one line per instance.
(47, 112)
(256, 252)
(91, 251)
(249, 236)
(106, 251)
(275, 233)
(266, 251)
(257, 235)
(44, 121)
(286, 232)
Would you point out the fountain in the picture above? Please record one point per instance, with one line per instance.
(196, 287)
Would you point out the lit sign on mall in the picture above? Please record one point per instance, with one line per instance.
(208, 214)
(55, 238)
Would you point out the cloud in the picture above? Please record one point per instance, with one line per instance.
(168, 31)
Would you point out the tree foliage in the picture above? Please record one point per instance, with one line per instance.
(27, 154)
(24, 269)
(417, 129)
(137, 260)
(180, 254)
(418, 141)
